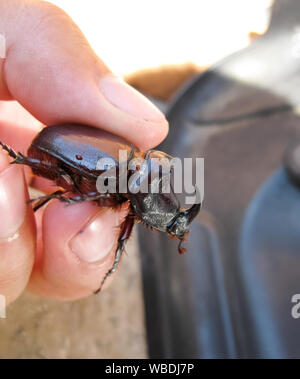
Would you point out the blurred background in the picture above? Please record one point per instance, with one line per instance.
(158, 45)
(227, 75)
(137, 34)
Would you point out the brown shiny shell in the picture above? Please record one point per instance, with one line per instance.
(79, 146)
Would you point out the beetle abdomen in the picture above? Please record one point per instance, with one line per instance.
(80, 146)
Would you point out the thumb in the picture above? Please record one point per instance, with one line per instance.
(53, 72)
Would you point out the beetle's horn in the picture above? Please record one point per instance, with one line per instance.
(195, 209)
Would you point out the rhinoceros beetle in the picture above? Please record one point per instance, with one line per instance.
(68, 154)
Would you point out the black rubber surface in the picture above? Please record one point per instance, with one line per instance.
(230, 295)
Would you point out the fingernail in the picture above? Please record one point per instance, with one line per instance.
(12, 201)
(126, 98)
(98, 237)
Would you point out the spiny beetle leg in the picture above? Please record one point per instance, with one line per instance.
(9, 150)
(125, 233)
(119, 251)
(19, 158)
(44, 199)
(181, 250)
(91, 196)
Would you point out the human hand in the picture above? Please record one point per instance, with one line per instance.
(51, 70)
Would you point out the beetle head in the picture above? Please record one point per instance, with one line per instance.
(179, 226)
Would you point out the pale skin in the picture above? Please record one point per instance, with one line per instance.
(51, 75)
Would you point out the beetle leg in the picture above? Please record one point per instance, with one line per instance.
(91, 196)
(125, 233)
(10, 151)
(45, 198)
(19, 158)
(38, 164)
(181, 250)
(42, 200)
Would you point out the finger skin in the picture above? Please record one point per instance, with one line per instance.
(17, 246)
(17, 258)
(58, 272)
(17, 129)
